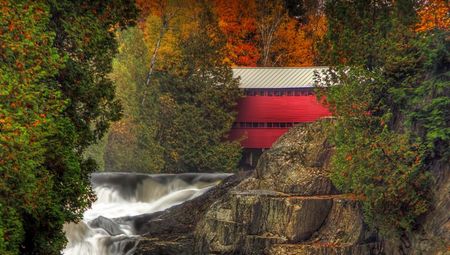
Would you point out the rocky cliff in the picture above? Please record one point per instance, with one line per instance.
(287, 206)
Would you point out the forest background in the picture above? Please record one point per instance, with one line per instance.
(168, 132)
(69, 69)
(154, 55)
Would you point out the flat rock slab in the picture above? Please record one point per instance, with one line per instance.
(259, 217)
(375, 248)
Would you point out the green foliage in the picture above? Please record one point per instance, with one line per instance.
(29, 110)
(357, 29)
(49, 86)
(371, 159)
(180, 122)
(86, 37)
(131, 142)
(197, 103)
(392, 111)
(423, 87)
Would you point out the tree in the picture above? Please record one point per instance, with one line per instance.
(391, 106)
(86, 37)
(131, 143)
(55, 101)
(288, 32)
(237, 22)
(166, 12)
(361, 26)
(296, 43)
(30, 108)
(197, 104)
(270, 16)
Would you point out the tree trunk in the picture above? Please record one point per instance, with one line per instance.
(162, 32)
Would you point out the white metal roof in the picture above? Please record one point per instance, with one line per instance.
(276, 77)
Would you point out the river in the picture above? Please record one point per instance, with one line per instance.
(101, 232)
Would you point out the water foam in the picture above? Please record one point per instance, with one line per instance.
(128, 194)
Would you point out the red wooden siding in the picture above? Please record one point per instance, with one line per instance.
(273, 109)
(280, 109)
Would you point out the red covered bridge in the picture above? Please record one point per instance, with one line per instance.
(276, 99)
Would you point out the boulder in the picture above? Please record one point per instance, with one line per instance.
(297, 163)
(108, 225)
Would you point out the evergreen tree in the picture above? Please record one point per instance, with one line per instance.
(391, 102)
(197, 104)
(55, 100)
(30, 108)
(356, 30)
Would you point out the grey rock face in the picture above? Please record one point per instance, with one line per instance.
(171, 231)
(248, 222)
(288, 207)
(326, 249)
(108, 225)
(297, 163)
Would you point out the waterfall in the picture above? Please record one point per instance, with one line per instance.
(129, 194)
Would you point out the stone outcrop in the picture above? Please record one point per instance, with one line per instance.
(296, 164)
(289, 206)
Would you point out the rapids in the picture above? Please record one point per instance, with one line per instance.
(129, 194)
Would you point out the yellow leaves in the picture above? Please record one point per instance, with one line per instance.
(4, 7)
(168, 52)
(378, 178)
(174, 155)
(39, 10)
(5, 120)
(27, 36)
(125, 128)
(417, 160)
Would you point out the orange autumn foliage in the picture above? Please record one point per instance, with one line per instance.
(144, 7)
(434, 14)
(293, 42)
(296, 43)
(238, 24)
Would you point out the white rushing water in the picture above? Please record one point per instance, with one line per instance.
(128, 194)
